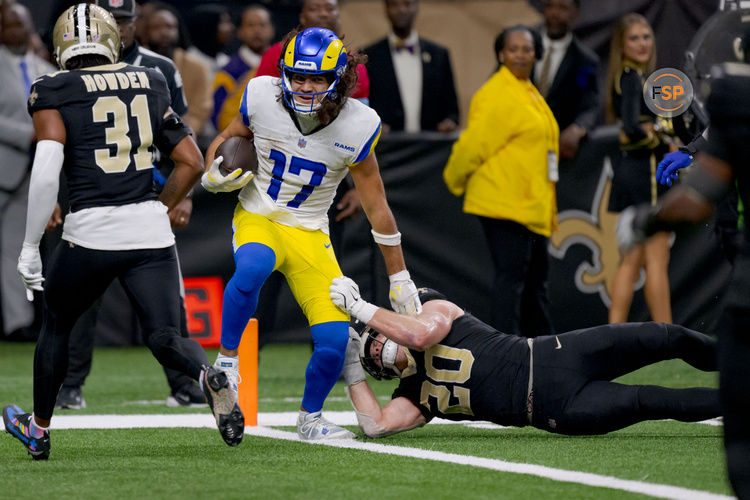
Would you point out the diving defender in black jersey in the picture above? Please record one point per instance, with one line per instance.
(452, 365)
(99, 122)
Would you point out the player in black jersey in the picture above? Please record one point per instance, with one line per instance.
(100, 120)
(723, 161)
(183, 391)
(454, 366)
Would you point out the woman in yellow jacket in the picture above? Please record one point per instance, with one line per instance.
(505, 166)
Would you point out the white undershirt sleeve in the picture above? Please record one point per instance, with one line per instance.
(43, 188)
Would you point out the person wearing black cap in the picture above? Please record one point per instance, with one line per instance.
(183, 391)
(452, 365)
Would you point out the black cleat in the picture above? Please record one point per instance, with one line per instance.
(17, 424)
(187, 395)
(71, 398)
(223, 403)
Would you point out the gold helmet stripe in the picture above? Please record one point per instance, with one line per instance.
(331, 55)
(289, 56)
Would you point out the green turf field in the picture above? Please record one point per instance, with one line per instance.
(195, 463)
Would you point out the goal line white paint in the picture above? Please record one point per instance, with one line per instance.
(206, 420)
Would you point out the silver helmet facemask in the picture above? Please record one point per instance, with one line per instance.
(382, 366)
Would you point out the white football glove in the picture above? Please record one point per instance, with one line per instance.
(353, 371)
(403, 294)
(30, 269)
(215, 182)
(345, 295)
(627, 232)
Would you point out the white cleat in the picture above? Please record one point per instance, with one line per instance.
(233, 373)
(313, 426)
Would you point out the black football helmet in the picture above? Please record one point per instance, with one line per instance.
(427, 294)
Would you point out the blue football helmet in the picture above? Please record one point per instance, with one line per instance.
(314, 51)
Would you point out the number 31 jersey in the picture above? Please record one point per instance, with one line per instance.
(298, 174)
(113, 116)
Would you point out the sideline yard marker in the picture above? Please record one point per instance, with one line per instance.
(248, 358)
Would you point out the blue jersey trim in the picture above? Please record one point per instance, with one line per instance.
(367, 148)
(243, 107)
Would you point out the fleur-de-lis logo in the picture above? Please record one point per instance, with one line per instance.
(596, 231)
(33, 97)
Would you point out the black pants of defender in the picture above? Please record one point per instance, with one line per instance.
(573, 393)
(76, 277)
(81, 349)
(520, 305)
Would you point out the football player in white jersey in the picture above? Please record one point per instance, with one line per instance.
(308, 134)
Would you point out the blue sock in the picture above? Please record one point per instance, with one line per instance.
(254, 263)
(326, 362)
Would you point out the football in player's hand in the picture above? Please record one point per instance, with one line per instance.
(238, 152)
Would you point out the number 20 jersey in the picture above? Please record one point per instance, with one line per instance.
(474, 373)
(298, 174)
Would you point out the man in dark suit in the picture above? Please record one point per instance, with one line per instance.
(567, 75)
(411, 80)
(20, 68)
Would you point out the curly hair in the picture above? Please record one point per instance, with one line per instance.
(331, 105)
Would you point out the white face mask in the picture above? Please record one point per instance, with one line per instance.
(389, 354)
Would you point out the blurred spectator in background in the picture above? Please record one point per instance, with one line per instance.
(211, 32)
(505, 165)
(567, 75)
(39, 49)
(256, 32)
(128, 15)
(167, 38)
(411, 80)
(144, 10)
(20, 66)
(632, 59)
(316, 14)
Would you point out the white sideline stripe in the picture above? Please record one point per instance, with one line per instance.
(197, 420)
(568, 476)
(288, 399)
(206, 420)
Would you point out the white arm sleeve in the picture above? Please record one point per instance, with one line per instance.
(43, 187)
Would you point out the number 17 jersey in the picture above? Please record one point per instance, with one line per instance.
(298, 174)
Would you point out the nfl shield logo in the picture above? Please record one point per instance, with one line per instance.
(116, 3)
(301, 143)
(67, 36)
